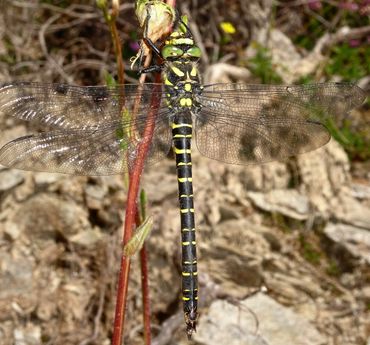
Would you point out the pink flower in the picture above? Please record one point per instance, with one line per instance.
(314, 5)
(350, 6)
(353, 43)
(134, 46)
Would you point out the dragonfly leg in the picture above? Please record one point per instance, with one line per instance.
(152, 69)
(152, 46)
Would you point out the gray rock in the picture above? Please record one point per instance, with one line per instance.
(355, 240)
(274, 175)
(324, 172)
(95, 195)
(288, 202)
(159, 186)
(15, 276)
(44, 178)
(257, 320)
(10, 178)
(349, 210)
(233, 254)
(12, 230)
(45, 216)
(87, 238)
(360, 191)
(29, 335)
(225, 73)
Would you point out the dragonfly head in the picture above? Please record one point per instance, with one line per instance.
(180, 44)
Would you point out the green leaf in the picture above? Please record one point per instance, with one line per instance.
(109, 80)
(137, 240)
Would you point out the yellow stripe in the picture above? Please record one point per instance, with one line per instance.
(187, 243)
(186, 195)
(190, 262)
(188, 274)
(186, 210)
(182, 40)
(167, 82)
(183, 163)
(177, 71)
(186, 102)
(181, 151)
(182, 135)
(185, 179)
(174, 34)
(187, 229)
(179, 125)
(185, 298)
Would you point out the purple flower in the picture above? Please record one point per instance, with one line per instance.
(134, 46)
(353, 43)
(314, 5)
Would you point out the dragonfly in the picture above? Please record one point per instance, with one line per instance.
(91, 131)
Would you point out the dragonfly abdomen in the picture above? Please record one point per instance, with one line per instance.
(182, 133)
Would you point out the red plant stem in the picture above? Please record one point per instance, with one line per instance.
(145, 294)
(144, 284)
(131, 211)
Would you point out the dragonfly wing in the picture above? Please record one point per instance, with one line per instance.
(64, 106)
(238, 140)
(104, 150)
(247, 124)
(331, 99)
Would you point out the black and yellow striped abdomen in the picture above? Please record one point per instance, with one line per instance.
(182, 133)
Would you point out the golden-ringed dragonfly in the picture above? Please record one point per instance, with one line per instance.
(87, 133)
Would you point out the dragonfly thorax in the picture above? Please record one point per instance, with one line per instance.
(182, 84)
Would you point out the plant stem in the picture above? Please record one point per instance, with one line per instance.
(131, 211)
(145, 294)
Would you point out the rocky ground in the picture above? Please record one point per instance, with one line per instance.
(283, 249)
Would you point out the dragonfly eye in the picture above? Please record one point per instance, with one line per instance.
(194, 52)
(171, 51)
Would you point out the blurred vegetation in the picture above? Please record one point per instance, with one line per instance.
(310, 250)
(351, 63)
(261, 66)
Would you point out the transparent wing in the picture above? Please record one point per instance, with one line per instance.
(92, 136)
(64, 106)
(100, 151)
(247, 124)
